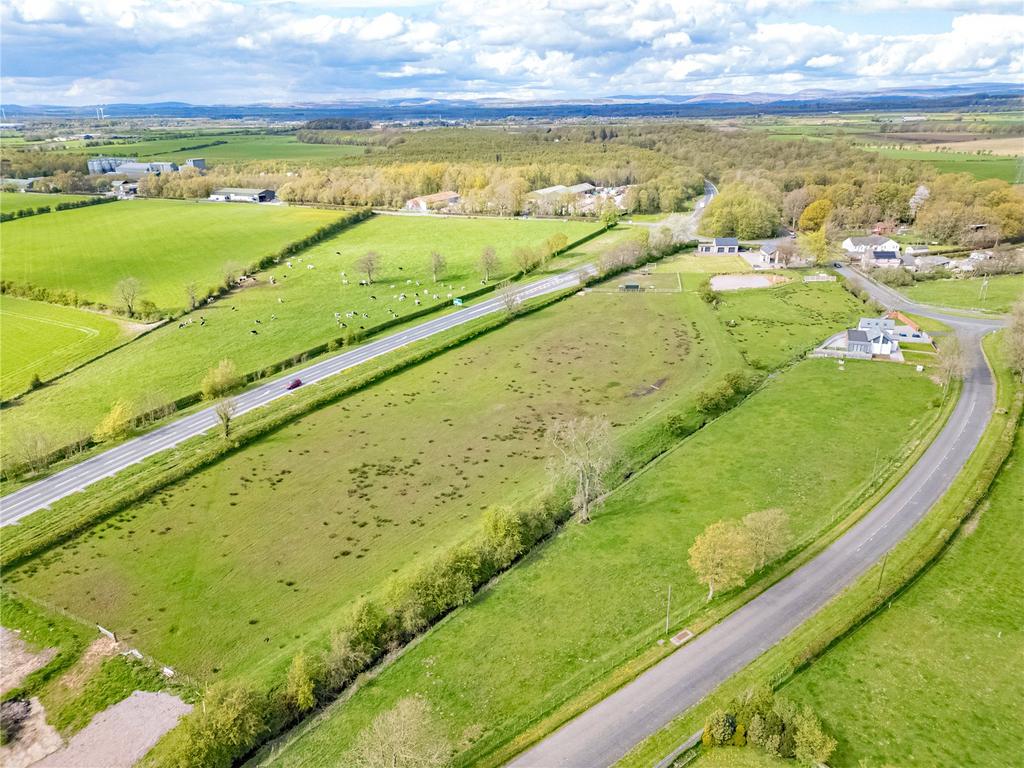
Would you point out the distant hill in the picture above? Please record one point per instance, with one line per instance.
(346, 115)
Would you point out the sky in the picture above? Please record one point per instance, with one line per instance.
(84, 52)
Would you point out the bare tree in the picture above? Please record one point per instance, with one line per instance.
(230, 272)
(770, 535)
(950, 360)
(438, 265)
(128, 291)
(509, 297)
(489, 263)
(32, 447)
(225, 411)
(192, 291)
(406, 736)
(368, 264)
(585, 450)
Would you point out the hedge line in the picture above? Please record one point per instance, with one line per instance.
(66, 206)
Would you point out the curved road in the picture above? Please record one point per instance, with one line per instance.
(605, 733)
(24, 501)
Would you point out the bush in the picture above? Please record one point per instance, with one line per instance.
(220, 380)
(813, 745)
(719, 729)
(230, 722)
(715, 399)
(116, 424)
(708, 294)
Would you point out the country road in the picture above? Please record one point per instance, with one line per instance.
(24, 501)
(605, 733)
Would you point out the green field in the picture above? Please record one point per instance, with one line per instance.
(998, 296)
(46, 339)
(164, 243)
(594, 597)
(16, 201)
(295, 314)
(771, 325)
(734, 757)
(979, 166)
(236, 567)
(936, 679)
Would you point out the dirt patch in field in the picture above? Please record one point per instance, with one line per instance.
(101, 649)
(36, 740)
(120, 735)
(18, 660)
(649, 389)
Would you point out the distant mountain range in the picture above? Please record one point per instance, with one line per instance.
(924, 98)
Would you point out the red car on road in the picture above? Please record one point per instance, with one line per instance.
(295, 384)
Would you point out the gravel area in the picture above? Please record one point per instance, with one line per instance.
(739, 282)
(17, 661)
(119, 736)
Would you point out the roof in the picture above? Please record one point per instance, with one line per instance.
(769, 248)
(437, 197)
(558, 189)
(238, 191)
(917, 248)
(578, 188)
(870, 240)
(726, 241)
(885, 256)
(857, 335)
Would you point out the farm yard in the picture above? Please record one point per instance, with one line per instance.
(998, 295)
(45, 339)
(165, 244)
(265, 323)
(561, 633)
(327, 509)
(950, 697)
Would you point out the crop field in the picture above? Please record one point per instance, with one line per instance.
(229, 572)
(594, 596)
(16, 201)
(1007, 145)
(998, 296)
(772, 325)
(293, 314)
(163, 243)
(951, 695)
(45, 339)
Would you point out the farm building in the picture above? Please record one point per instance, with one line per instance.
(137, 170)
(434, 202)
(720, 245)
(99, 165)
(242, 195)
(196, 162)
(125, 190)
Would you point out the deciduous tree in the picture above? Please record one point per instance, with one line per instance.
(438, 265)
(814, 216)
(368, 264)
(225, 411)
(585, 453)
(128, 291)
(405, 736)
(489, 263)
(722, 556)
(950, 360)
(770, 535)
(220, 380)
(1015, 339)
(116, 424)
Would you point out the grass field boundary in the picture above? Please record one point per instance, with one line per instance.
(799, 554)
(876, 589)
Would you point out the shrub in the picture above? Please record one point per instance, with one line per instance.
(718, 729)
(230, 722)
(503, 536)
(812, 745)
(305, 680)
(708, 294)
(220, 380)
(715, 398)
(680, 425)
(116, 424)
(35, 382)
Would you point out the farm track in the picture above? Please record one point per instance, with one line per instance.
(606, 732)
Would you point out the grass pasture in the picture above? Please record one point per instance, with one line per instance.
(46, 339)
(970, 293)
(16, 201)
(217, 574)
(294, 314)
(164, 243)
(698, 264)
(594, 597)
(979, 166)
(950, 697)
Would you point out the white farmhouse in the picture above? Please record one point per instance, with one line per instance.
(858, 246)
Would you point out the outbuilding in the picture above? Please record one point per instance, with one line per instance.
(242, 195)
(720, 245)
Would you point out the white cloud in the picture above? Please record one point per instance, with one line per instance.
(826, 60)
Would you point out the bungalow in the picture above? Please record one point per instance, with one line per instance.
(861, 245)
(928, 263)
(242, 195)
(434, 202)
(720, 245)
(873, 335)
